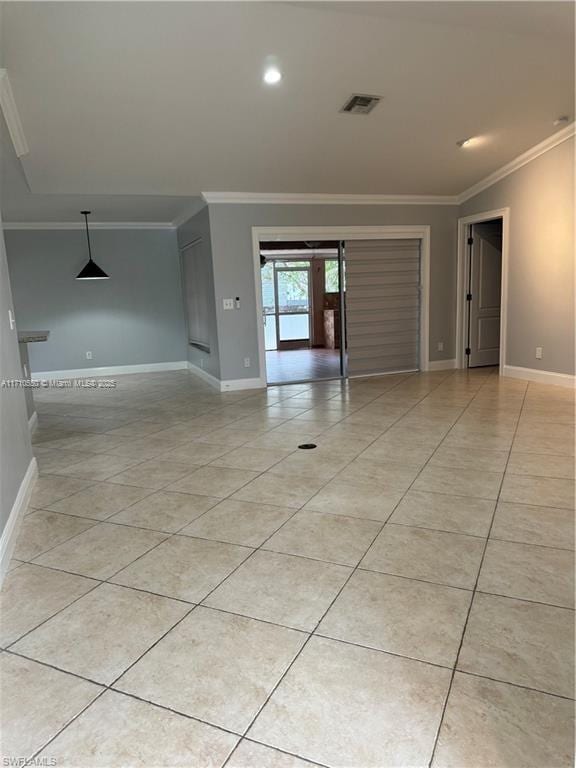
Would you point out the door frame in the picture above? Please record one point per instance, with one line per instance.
(461, 285)
(278, 313)
(391, 232)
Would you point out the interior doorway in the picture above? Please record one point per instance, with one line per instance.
(380, 324)
(482, 271)
(302, 310)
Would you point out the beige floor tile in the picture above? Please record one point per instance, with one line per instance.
(42, 530)
(99, 501)
(473, 458)
(52, 461)
(195, 453)
(215, 666)
(556, 446)
(102, 550)
(277, 489)
(100, 467)
(183, 568)
(457, 514)
(255, 459)
(32, 594)
(51, 488)
(520, 642)
(333, 538)
(286, 590)
(341, 705)
(35, 703)
(251, 755)
(312, 464)
(402, 616)
(541, 465)
(165, 511)
(444, 558)
(364, 500)
(494, 724)
(392, 476)
(239, 522)
(213, 481)
(546, 491)
(547, 526)
(104, 632)
(120, 732)
(155, 473)
(386, 450)
(529, 572)
(462, 482)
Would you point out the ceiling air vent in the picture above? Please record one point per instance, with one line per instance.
(360, 104)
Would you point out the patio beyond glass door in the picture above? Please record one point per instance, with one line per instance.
(292, 306)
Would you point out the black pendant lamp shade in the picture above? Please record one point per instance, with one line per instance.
(91, 271)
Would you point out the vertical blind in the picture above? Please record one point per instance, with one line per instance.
(382, 305)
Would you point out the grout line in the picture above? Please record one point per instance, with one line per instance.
(443, 714)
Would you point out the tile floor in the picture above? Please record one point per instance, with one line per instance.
(191, 589)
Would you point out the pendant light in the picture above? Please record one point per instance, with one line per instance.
(91, 271)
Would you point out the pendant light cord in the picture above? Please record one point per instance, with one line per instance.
(85, 214)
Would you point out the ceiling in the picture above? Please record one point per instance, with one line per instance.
(135, 108)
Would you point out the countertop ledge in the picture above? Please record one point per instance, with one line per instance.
(25, 337)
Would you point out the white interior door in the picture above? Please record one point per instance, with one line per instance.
(484, 294)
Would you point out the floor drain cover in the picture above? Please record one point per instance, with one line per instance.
(307, 446)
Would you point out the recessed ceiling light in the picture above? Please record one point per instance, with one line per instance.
(465, 142)
(272, 76)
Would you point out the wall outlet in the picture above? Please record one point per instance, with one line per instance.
(11, 319)
(539, 353)
(440, 346)
(228, 303)
(246, 362)
(88, 355)
(237, 302)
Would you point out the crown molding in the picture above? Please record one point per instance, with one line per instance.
(296, 198)
(12, 116)
(56, 225)
(526, 157)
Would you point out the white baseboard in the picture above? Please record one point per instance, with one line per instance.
(33, 423)
(540, 377)
(10, 532)
(233, 385)
(441, 365)
(202, 374)
(111, 370)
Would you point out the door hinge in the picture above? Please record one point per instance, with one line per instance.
(468, 297)
(470, 241)
(468, 350)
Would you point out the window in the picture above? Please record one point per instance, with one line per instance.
(331, 284)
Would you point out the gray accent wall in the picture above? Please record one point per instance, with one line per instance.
(540, 196)
(198, 228)
(231, 230)
(15, 448)
(134, 318)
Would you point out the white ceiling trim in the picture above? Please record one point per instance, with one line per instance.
(296, 198)
(93, 225)
(518, 162)
(12, 116)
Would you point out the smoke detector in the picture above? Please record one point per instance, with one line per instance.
(360, 104)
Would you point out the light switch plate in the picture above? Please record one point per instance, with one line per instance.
(228, 303)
